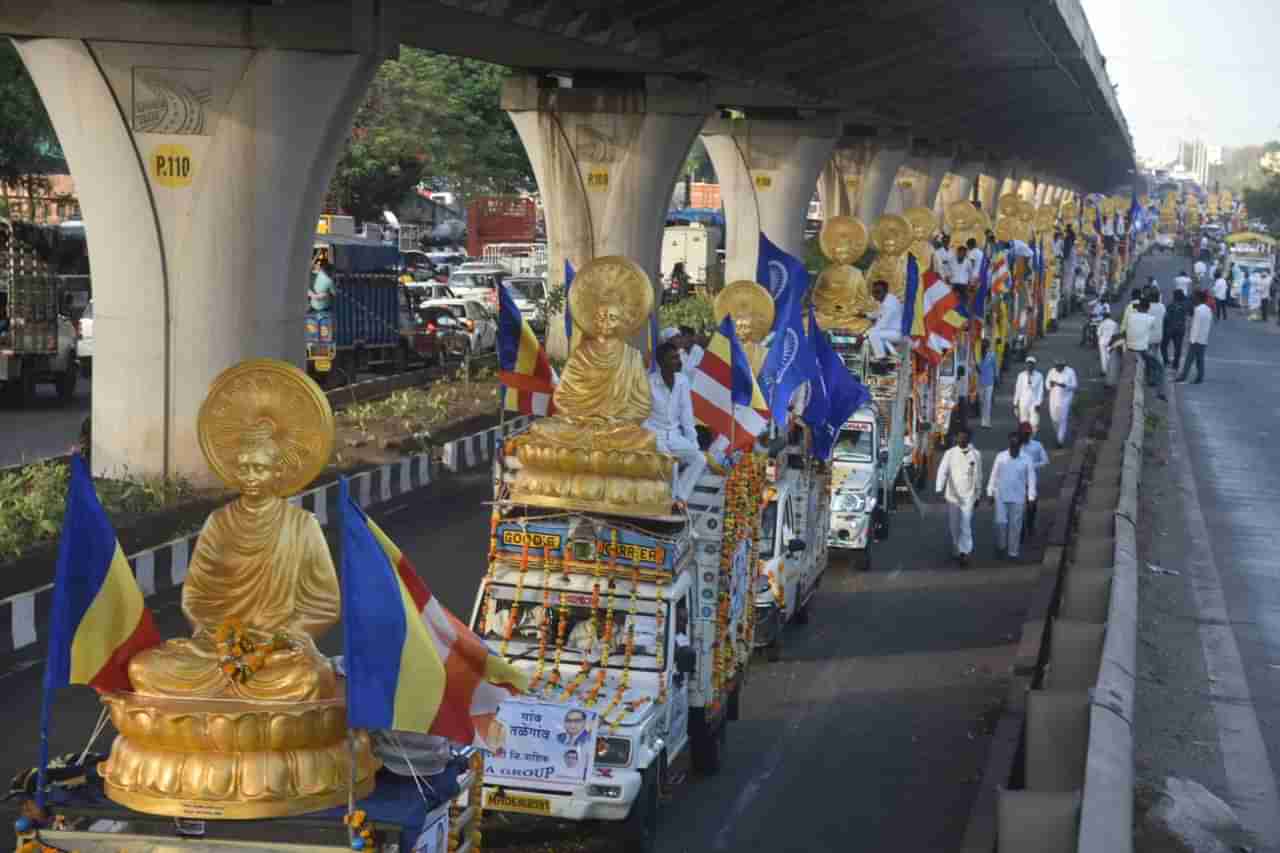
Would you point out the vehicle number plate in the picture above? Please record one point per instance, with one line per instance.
(324, 365)
(518, 803)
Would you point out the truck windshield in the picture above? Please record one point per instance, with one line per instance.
(531, 290)
(583, 626)
(768, 529)
(854, 444)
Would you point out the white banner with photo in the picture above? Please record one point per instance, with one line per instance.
(541, 742)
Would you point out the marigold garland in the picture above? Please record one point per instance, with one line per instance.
(545, 627)
(513, 613)
(239, 655)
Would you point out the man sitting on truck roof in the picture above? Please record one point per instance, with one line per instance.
(888, 328)
(671, 420)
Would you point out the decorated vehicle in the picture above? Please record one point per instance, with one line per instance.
(636, 632)
(37, 341)
(857, 471)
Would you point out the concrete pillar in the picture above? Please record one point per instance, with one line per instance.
(839, 185)
(940, 165)
(878, 183)
(959, 185)
(1026, 189)
(989, 192)
(200, 172)
(606, 161)
(768, 169)
(918, 181)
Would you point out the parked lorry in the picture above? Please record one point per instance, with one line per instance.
(693, 245)
(37, 341)
(637, 634)
(370, 322)
(500, 219)
(793, 542)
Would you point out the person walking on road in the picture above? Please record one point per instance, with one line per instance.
(1220, 294)
(1137, 339)
(1201, 270)
(1012, 484)
(1157, 311)
(1035, 453)
(1197, 339)
(960, 483)
(1028, 394)
(1062, 382)
(1106, 332)
(1182, 283)
(1175, 329)
(987, 384)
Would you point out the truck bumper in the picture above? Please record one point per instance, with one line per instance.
(768, 624)
(850, 534)
(602, 798)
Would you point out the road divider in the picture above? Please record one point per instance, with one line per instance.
(24, 618)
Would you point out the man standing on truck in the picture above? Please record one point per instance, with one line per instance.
(888, 328)
(1012, 484)
(960, 483)
(671, 420)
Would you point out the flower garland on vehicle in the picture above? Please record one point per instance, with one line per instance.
(513, 612)
(363, 831)
(239, 655)
(741, 515)
(544, 629)
(606, 642)
(660, 614)
(624, 683)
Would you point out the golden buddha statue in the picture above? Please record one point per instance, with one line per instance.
(595, 453)
(245, 718)
(752, 310)
(892, 237)
(841, 298)
(923, 226)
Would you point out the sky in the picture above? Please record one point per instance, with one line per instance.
(1192, 68)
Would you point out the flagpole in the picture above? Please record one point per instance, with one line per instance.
(42, 772)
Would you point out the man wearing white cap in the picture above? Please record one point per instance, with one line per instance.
(1062, 387)
(1028, 394)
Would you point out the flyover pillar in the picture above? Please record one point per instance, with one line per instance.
(919, 179)
(959, 184)
(882, 173)
(606, 162)
(768, 169)
(841, 179)
(200, 171)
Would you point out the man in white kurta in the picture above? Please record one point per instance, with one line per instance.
(1062, 384)
(887, 331)
(960, 483)
(671, 420)
(1012, 484)
(1028, 394)
(1106, 331)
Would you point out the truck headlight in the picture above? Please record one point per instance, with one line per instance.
(613, 751)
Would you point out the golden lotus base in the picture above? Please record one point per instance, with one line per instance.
(592, 479)
(232, 760)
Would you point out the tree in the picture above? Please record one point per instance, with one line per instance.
(434, 118)
(1264, 202)
(29, 149)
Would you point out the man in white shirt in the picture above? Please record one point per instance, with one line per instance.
(1182, 282)
(1062, 384)
(1157, 310)
(1035, 453)
(671, 420)
(888, 328)
(1028, 394)
(1012, 484)
(1197, 339)
(958, 272)
(1137, 329)
(960, 483)
(1201, 269)
(1263, 289)
(690, 352)
(1220, 293)
(1106, 331)
(943, 256)
(973, 259)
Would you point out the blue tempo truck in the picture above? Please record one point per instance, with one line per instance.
(369, 324)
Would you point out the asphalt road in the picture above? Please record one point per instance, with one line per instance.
(871, 732)
(1223, 464)
(42, 428)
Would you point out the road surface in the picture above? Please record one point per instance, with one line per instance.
(872, 730)
(41, 428)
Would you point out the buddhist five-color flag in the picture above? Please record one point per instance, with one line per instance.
(1000, 274)
(411, 665)
(523, 368)
(99, 620)
(726, 397)
(945, 317)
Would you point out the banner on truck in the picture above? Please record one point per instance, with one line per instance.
(537, 742)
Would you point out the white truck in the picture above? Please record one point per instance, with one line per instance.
(856, 487)
(37, 341)
(637, 634)
(793, 544)
(692, 245)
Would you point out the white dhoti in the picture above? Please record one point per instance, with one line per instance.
(960, 521)
(691, 462)
(1060, 411)
(1104, 352)
(882, 340)
(1028, 414)
(988, 394)
(1009, 527)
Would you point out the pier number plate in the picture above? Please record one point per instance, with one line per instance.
(172, 165)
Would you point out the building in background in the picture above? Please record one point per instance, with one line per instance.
(51, 205)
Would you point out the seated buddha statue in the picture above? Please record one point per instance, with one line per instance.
(841, 298)
(892, 239)
(264, 565)
(752, 310)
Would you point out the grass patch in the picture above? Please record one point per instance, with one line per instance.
(33, 500)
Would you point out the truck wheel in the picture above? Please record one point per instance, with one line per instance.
(708, 750)
(640, 829)
(67, 382)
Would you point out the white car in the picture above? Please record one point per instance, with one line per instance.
(423, 291)
(479, 281)
(478, 322)
(530, 295)
(84, 340)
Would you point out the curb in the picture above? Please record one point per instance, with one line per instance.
(164, 567)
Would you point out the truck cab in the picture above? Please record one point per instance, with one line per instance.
(856, 484)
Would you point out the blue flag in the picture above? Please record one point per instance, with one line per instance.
(843, 395)
(568, 315)
(984, 288)
(816, 413)
(790, 362)
(777, 271)
(910, 296)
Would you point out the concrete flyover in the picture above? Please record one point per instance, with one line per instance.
(202, 135)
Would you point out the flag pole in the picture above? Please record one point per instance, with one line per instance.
(43, 770)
